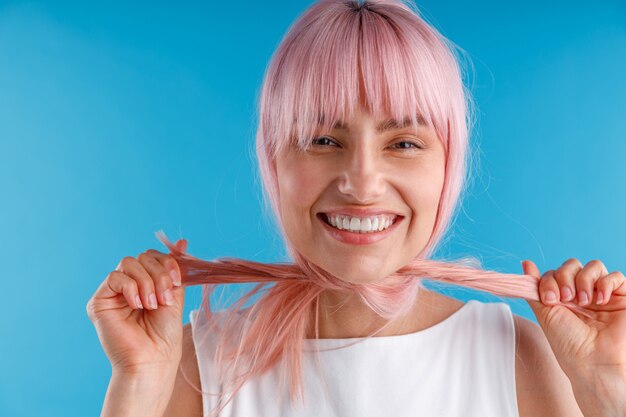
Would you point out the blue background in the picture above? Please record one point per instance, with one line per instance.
(117, 120)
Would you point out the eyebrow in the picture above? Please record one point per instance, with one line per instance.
(389, 124)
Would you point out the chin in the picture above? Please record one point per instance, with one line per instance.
(359, 275)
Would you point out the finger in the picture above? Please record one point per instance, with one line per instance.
(177, 292)
(549, 288)
(161, 278)
(586, 280)
(119, 283)
(115, 284)
(170, 265)
(128, 288)
(565, 278)
(607, 284)
(135, 269)
(530, 268)
(182, 245)
(546, 283)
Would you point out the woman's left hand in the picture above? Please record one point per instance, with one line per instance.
(586, 349)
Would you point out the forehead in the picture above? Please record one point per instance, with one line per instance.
(382, 125)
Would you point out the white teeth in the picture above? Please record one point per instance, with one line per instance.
(366, 225)
(361, 225)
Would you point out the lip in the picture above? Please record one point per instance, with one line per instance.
(352, 238)
(349, 211)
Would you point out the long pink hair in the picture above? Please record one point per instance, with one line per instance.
(313, 80)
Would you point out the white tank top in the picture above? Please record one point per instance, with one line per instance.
(462, 366)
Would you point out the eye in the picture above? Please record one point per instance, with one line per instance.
(322, 141)
(409, 145)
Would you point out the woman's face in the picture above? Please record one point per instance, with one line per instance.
(357, 177)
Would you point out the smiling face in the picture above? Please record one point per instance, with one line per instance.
(355, 176)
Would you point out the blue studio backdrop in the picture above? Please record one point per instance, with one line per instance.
(118, 119)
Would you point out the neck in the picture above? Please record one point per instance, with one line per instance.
(344, 315)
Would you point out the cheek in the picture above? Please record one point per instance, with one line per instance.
(300, 184)
(297, 183)
(423, 195)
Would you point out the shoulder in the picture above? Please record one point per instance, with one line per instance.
(542, 387)
(185, 400)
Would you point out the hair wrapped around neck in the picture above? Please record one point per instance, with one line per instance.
(277, 322)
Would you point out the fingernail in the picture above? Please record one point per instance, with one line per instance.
(550, 297)
(600, 298)
(138, 301)
(175, 277)
(153, 301)
(167, 296)
(583, 298)
(567, 294)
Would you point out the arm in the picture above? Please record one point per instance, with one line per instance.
(137, 395)
(162, 394)
(185, 400)
(605, 397)
(543, 389)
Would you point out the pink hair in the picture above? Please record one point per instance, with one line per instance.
(406, 68)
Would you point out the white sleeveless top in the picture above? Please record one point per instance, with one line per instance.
(462, 366)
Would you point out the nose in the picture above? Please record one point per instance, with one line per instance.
(362, 177)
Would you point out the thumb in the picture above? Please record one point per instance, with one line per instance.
(551, 318)
(179, 297)
(562, 328)
(538, 307)
(181, 245)
(179, 290)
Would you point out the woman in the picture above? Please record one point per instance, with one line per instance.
(362, 145)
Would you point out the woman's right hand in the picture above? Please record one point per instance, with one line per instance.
(137, 337)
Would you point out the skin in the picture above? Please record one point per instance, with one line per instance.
(361, 168)
(591, 352)
(358, 167)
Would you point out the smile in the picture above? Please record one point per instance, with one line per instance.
(360, 224)
(359, 231)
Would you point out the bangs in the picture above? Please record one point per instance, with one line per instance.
(358, 57)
